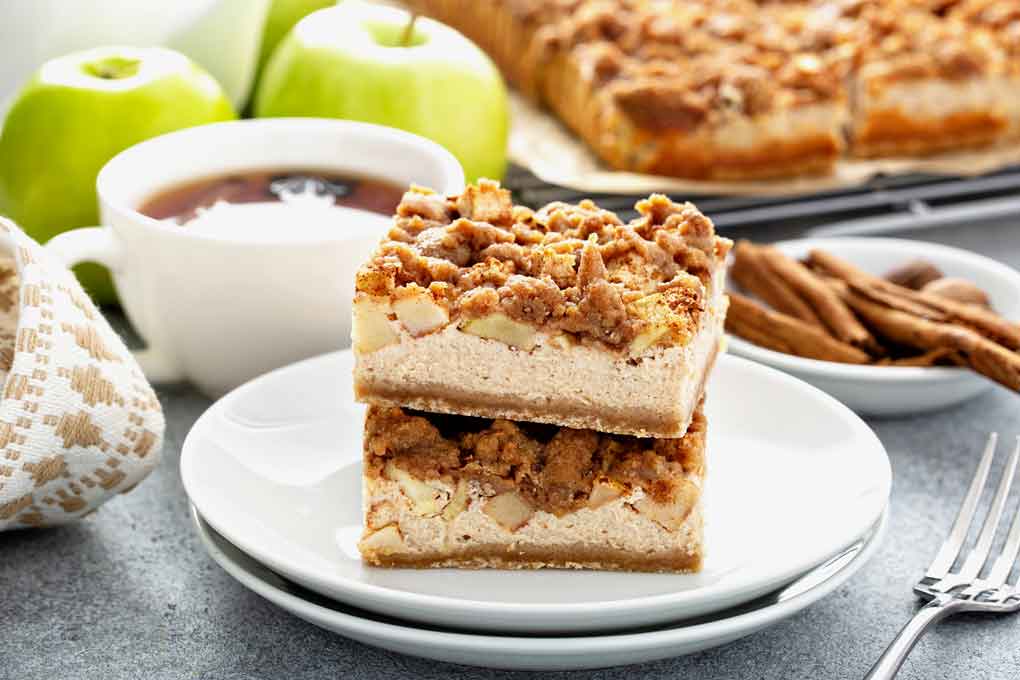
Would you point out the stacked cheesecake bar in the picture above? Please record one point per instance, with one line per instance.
(534, 382)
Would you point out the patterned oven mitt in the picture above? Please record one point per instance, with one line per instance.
(78, 421)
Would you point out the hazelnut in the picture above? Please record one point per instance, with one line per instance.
(959, 290)
(914, 274)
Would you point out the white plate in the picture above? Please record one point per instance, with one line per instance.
(542, 653)
(794, 478)
(895, 390)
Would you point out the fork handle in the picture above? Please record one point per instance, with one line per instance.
(896, 653)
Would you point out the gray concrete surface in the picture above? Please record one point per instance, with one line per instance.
(129, 593)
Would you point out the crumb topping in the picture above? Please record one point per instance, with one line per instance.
(1001, 17)
(682, 65)
(904, 44)
(552, 468)
(679, 66)
(573, 269)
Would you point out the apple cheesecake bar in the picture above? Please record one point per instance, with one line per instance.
(1002, 19)
(708, 90)
(924, 85)
(564, 315)
(701, 118)
(457, 491)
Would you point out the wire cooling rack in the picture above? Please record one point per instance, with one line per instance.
(884, 204)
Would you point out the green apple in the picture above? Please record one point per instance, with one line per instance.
(283, 14)
(76, 113)
(372, 63)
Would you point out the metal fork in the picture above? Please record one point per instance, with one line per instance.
(950, 592)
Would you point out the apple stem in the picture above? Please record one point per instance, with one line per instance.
(113, 68)
(405, 40)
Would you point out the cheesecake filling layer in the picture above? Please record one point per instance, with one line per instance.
(554, 381)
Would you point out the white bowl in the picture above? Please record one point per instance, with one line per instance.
(895, 390)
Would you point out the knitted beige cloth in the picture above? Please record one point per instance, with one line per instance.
(78, 421)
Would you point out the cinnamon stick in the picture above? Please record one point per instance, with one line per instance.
(981, 354)
(959, 290)
(914, 274)
(753, 275)
(926, 305)
(784, 333)
(833, 312)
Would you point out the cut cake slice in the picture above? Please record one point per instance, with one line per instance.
(565, 315)
(454, 491)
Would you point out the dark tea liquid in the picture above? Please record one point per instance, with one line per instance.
(182, 203)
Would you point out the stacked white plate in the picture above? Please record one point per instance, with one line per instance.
(795, 503)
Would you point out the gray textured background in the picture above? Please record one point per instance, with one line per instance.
(130, 593)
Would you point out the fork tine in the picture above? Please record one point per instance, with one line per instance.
(950, 549)
(979, 555)
(1004, 563)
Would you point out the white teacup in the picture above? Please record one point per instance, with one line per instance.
(218, 307)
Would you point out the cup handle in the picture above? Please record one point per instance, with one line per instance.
(97, 244)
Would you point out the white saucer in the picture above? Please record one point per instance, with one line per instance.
(895, 390)
(536, 652)
(794, 477)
